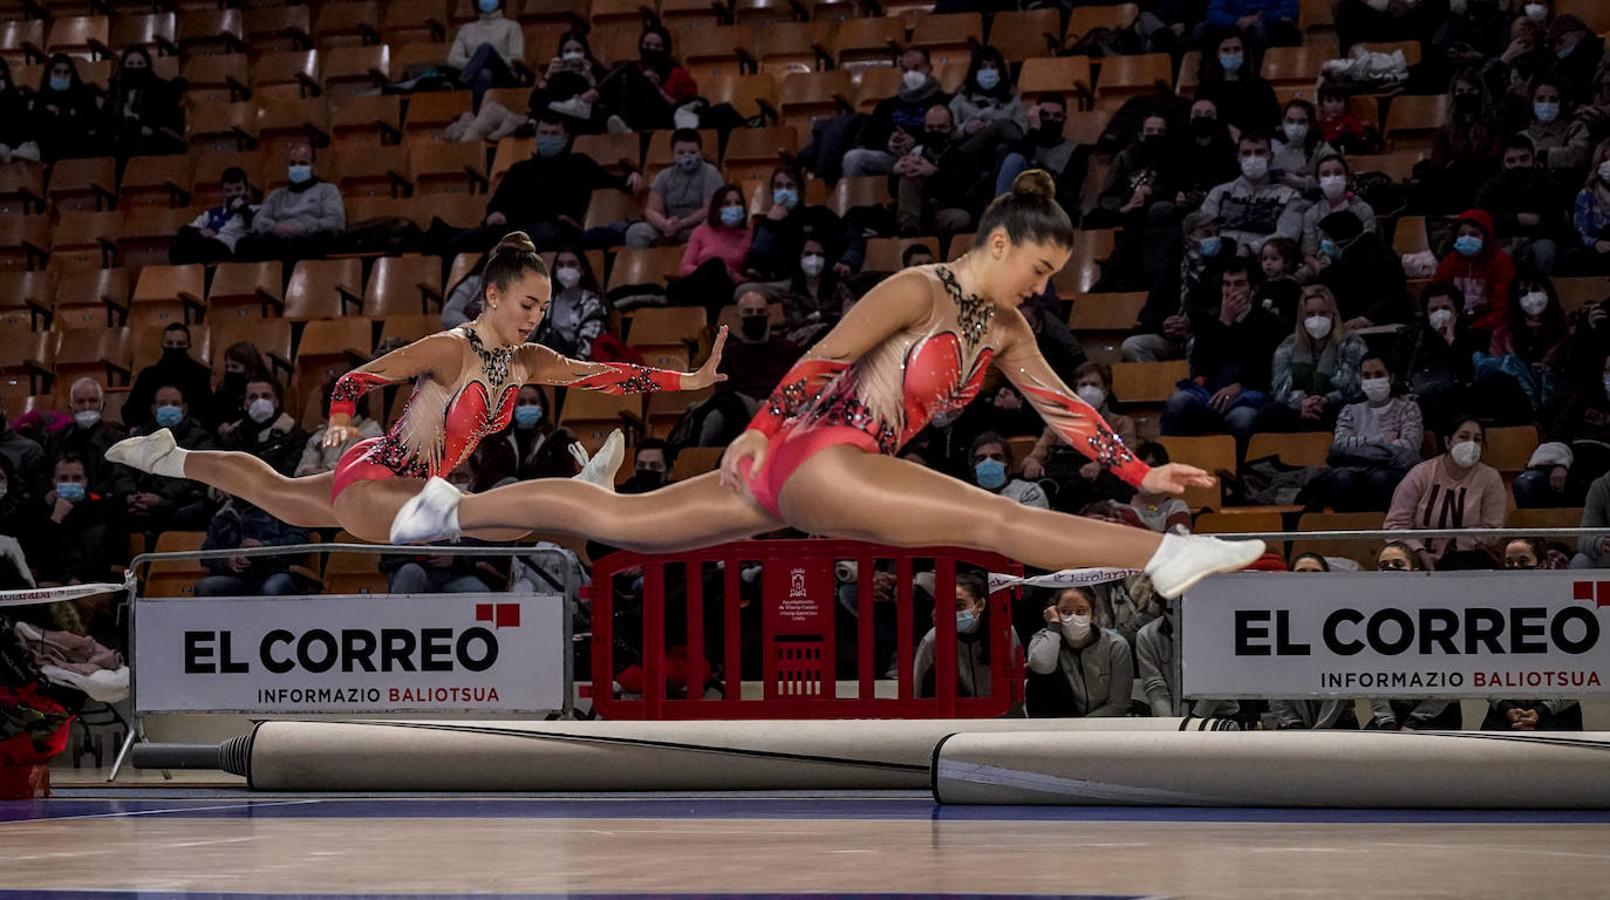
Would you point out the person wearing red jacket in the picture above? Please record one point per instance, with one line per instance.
(1482, 270)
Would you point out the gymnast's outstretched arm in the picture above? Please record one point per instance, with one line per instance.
(548, 367)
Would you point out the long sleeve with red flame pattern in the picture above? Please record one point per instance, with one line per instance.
(628, 378)
(796, 392)
(1075, 420)
(351, 387)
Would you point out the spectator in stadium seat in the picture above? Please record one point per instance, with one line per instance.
(1092, 381)
(760, 356)
(175, 368)
(992, 465)
(814, 298)
(1315, 370)
(1159, 679)
(152, 503)
(296, 221)
(1314, 714)
(1077, 668)
(90, 434)
(973, 677)
(1595, 112)
(1575, 451)
(933, 182)
(486, 49)
(1188, 291)
(1397, 556)
(1229, 78)
(713, 259)
(242, 364)
(1261, 22)
(679, 199)
(1591, 216)
(986, 111)
(145, 114)
(1473, 32)
(895, 126)
(1208, 155)
(19, 140)
(1254, 207)
(1433, 353)
(916, 255)
(1482, 271)
(568, 85)
(1383, 21)
(1229, 359)
(213, 235)
(1526, 202)
(1162, 513)
(1376, 443)
(1411, 715)
(1046, 146)
(1560, 139)
(520, 451)
(67, 118)
(318, 458)
(1465, 151)
(1532, 715)
(443, 573)
(1310, 562)
(1334, 177)
(1509, 75)
(266, 430)
(1537, 327)
(1580, 53)
(641, 94)
(1279, 292)
(547, 195)
(1593, 552)
(576, 314)
(1142, 178)
(1364, 274)
(1454, 489)
(651, 470)
(78, 541)
(1340, 128)
(1298, 147)
(240, 525)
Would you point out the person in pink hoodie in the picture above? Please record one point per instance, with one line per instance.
(1482, 270)
(1451, 490)
(712, 260)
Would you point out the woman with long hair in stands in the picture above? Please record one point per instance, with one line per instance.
(466, 383)
(820, 454)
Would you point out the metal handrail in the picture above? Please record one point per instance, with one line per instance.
(294, 549)
(1406, 534)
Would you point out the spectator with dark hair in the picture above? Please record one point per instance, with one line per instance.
(486, 49)
(1576, 447)
(932, 183)
(1299, 147)
(1079, 479)
(1208, 157)
(78, 543)
(1472, 33)
(992, 466)
(1187, 292)
(1309, 562)
(66, 116)
(1465, 151)
(19, 139)
(760, 356)
(299, 220)
(1334, 177)
(243, 363)
(1433, 354)
(1046, 146)
(240, 525)
(916, 255)
(895, 125)
(1254, 207)
(1580, 53)
(679, 198)
(26, 456)
(177, 368)
(568, 86)
(1077, 668)
(1365, 275)
(316, 457)
(1398, 556)
(145, 114)
(1526, 203)
(547, 195)
(576, 313)
(1229, 359)
(971, 609)
(267, 431)
(1481, 270)
(1262, 22)
(1281, 261)
(1162, 513)
(1142, 178)
(1315, 370)
(1454, 489)
(1559, 138)
(90, 434)
(713, 259)
(642, 93)
(986, 113)
(1159, 677)
(814, 297)
(1591, 215)
(1229, 78)
(213, 235)
(153, 503)
(1376, 443)
(516, 452)
(1340, 128)
(651, 470)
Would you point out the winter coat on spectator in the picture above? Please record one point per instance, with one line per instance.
(317, 458)
(174, 494)
(279, 442)
(1578, 69)
(1254, 213)
(1312, 216)
(82, 547)
(238, 521)
(89, 444)
(1484, 279)
(1238, 353)
(966, 106)
(972, 662)
(1592, 214)
(1249, 103)
(576, 317)
(175, 368)
(228, 225)
(1368, 281)
(1139, 164)
(1298, 374)
(905, 111)
(492, 28)
(1431, 496)
(1511, 193)
(1422, 354)
(730, 245)
(310, 208)
(541, 189)
(1154, 660)
(1092, 681)
(28, 463)
(1561, 144)
(1384, 435)
(1228, 13)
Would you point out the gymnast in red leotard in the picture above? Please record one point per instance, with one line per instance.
(467, 379)
(819, 456)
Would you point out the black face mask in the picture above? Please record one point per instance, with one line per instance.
(136, 77)
(1203, 127)
(937, 138)
(1467, 104)
(650, 478)
(653, 58)
(174, 355)
(755, 328)
(1049, 134)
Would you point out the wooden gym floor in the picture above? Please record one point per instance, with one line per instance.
(186, 841)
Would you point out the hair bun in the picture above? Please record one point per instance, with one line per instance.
(1035, 181)
(515, 242)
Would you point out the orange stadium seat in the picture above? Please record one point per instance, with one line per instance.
(366, 120)
(403, 286)
(1021, 35)
(271, 28)
(414, 22)
(323, 289)
(212, 31)
(156, 181)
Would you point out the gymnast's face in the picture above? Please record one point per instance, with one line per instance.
(516, 311)
(1019, 271)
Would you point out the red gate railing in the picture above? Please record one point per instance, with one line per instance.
(799, 599)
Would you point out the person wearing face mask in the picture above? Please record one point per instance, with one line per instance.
(1315, 370)
(176, 367)
(1591, 215)
(1046, 146)
(297, 221)
(523, 449)
(151, 503)
(243, 363)
(712, 260)
(1365, 275)
(18, 139)
(895, 125)
(1526, 201)
(1092, 381)
(1298, 147)
(933, 182)
(1206, 157)
(1466, 150)
(1185, 296)
(1077, 668)
(640, 94)
(679, 198)
(267, 431)
(1143, 175)
(652, 468)
(240, 525)
(144, 113)
(316, 457)
(815, 298)
(78, 541)
(90, 434)
(1559, 138)
(1376, 443)
(1255, 207)
(1160, 677)
(1575, 450)
(486, 48)
(576, 314)
(568, 85)
(973, 640)
(778, 236)
(986, 112)
(991, 463)
(1481, 270)
(757, 361)
(1452, 490)
(1579, 52)
(66, 116)
(213, 235)
(1228, 77)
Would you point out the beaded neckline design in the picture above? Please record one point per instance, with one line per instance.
(973, 313)
(494, 363)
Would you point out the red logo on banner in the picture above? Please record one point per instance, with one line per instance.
(501, 615)
(1596, 591)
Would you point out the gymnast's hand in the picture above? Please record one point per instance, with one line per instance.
(751, 447)
(1174, 478)
(337, 435)
(707, 374)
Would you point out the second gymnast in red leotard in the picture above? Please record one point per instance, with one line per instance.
(819, 456)
(466, 381)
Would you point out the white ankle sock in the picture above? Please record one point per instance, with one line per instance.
(1172, 544)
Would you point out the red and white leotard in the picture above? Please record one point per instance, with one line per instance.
(924, 373)
(443, 422)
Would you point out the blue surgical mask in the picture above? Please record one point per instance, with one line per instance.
(299, 174)
(71, 491)
(1607, 385)
(689, 162)
(991, 473)
(550, 144)
(787, 198)
(966, 621)
(526, 417)
(1231, 61)
(60, 82)
(1467, 245)
(1329, 248)
(1209, 247)
(732, 216)
(1546, 112)
(169, 416)
(487, 6)
(988, 79)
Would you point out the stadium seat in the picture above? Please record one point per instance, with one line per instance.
(1570, 517)
(354, 573)
(103, 290)
(619, 153)
(431, 112)
(373, 171)
(679, 327)
(347, 24)
(28, 292)
(145, 345)
(959, 245)
(155, 181)
(246, 290)
(22, 40)
(271, 337)
(323, 289)
(1593, 13)
(1412, 121)
(1147, 382)
(644, 265)
(211, 78)
(1397, 166)
(352, 71)
(1510, 448)
(1576, 293)
(22, 188)
(403, 285)
(148, 232)
(1102, 321)
(85, 239)
(99, 353)
(692, 462)
(276, 28)
(1296, 449)
(329, 348)
(1083, 270)
(783, 48)
(366, 120)
(948, 37)
(1317, 16)
(24, 241)
(83, 184)
(752, 153)
(176, 577)
(1237, 522)
(223, 127)
(415, 22)
(1213, 453)
(29, 356)
(1410, 49)
(1062, 75)
(409, 327)
(510, 151)
(870, 41)
(1084, 19)
(1022, 35)
(689, 16)
(287, 73)
(859, 193)
(708, 51)
(1410, 236)
(85, 37)
(170, 294)
(591, 415)
(444, 168)
(211, 32)
(757, 11)
(750, 95)
(872, 86)
(1361, 551)
(883, 254)
(606, 207)
(1123, 77)
(281, 122)
(156, 32)
(465, 263)
(1297, 66)
(809, 95)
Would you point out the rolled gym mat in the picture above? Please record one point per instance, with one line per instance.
(175, 756)
(331, 755)
(1366, 769)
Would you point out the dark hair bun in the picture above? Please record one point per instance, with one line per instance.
(515, 242)
(513, 255)
(1035, 181)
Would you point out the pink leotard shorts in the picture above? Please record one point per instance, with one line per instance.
(789, 449)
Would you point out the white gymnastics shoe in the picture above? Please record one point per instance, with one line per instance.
(600, 469)
(156, 453)
(432, 515)
(1183, 560)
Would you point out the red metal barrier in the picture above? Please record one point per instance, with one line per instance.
(798, 642)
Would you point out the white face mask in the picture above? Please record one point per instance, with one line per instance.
(1296, 132)
(1537, 12)
(913, 80)
(573, 56)
(1440, 318)
(1333, 186)
(1091, 394)
(1604, 171)
(1534, 302)
(260, 410)
(1376, 390)
(1465, 453)
(1076, 627)
(569, 276)
(811, 264)
(87, 418)
(1458, 7)
(1318, 327)
(1254, 167)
